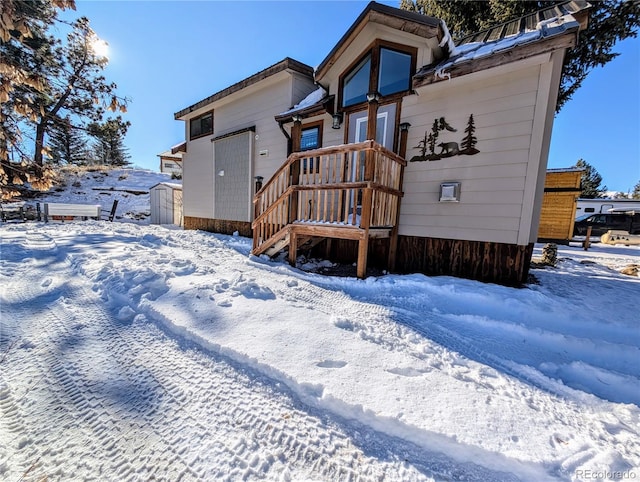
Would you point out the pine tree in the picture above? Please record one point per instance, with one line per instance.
(78, 88)
(469, 141)
(636, 191)
(609, 22)
(68, 146)
(26, 53)
(590, 181)
(43, 79)
(109, 148)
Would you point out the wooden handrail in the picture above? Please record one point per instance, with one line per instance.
(334, 185)
(327, 151)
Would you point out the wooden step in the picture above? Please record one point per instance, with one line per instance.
(277, 247)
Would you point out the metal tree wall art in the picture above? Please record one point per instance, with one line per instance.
(429, 143)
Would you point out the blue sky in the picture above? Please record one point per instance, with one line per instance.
(167, 55)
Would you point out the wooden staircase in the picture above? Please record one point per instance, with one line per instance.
(352, 191)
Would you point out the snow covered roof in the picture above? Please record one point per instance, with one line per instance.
(551, 23)
(565, 169)
(172, 155)
(317, 101)
(171, 185)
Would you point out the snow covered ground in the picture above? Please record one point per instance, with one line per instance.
(137, 352)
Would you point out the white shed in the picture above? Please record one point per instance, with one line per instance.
(166, 203)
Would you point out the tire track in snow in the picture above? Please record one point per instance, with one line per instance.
(101, 410)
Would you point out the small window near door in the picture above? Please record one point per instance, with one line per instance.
(311, 138)
(201, 126)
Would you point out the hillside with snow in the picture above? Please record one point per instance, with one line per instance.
(130, 351)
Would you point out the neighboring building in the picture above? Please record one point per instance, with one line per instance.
(561, 192)
(166, 203)
(604, 205)
(473, 120)
(171, 162)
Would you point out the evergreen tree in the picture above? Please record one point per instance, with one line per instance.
(78, 87)
(26, 53)
(609, 22)
(68, 146)
(109, 148)
(590, 181)
(636, 191)
(469, 141)
(43, 79)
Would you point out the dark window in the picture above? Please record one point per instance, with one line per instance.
(356, 83)
(386, 68)
(201, 126)
(311, 138)
(395, 72)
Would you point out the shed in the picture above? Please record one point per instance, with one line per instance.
(561, 191)
(166, 203)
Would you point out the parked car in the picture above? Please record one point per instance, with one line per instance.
(601, 223)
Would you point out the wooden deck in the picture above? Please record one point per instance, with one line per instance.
(351, 191)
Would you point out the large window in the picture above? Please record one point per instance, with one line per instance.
(356, 83)
(395, 72)
(201, 126)
(385, 68)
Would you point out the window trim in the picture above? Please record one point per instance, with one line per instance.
(374, 50)
(192, 137)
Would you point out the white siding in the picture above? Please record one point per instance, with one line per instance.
(197, 178)
(496, 182)
(256, 107)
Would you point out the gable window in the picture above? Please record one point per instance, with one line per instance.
(395, 72)
(356, 83)
(201, 126)
(385, 68)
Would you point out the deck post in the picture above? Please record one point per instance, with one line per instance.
(367, 195)
(363, 248)
(296, 132)
(293, 247)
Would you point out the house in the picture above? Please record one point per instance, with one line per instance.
(171, 162)
(402, 149)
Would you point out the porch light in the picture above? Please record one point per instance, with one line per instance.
(373, 96)
(337, 120)
(297, 118)
(404, 126)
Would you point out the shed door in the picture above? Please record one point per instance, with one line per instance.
(162, 206)
(232, 184)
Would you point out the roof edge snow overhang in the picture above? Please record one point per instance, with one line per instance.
(182, 147)
(569, 18)
(322, 107)
(440, 72)
(286, 64)
(404, 20)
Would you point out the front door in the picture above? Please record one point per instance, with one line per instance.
(385, 130)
